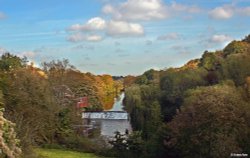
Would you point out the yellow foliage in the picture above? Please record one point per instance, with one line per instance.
(42, 74)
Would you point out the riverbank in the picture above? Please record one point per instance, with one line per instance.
(60, 153)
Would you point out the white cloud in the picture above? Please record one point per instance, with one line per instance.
(82, 46)
(78, 37)
(93, 24)
(122, 15)
(170, 36)
(228, 11)
(28, 54)
(108, 9)
(176, 7)
(147, 10)
(2, 50)
(194, 9)
(94, 38)
(122, 28)
(112, 28)
(2, 15)
(244, 11)
(220, 38)
(224, 12)
(137, 10)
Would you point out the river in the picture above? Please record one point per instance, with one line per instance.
(108, 127)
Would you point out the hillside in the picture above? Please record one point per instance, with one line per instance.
(197, 109)
(201, 109)
(43, 102)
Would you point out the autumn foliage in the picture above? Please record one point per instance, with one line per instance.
(204, 106)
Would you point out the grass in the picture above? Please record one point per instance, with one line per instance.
(60, 153)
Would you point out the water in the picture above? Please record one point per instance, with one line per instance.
(118, 105)
(109, 126)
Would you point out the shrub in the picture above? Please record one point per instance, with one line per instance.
(8, 142)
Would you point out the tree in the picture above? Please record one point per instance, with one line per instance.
(129, 81)
(236, 67)
(211, 123)
(211, 61)
(144, 108)
(124, 145)
(174, 83)
(29, 103)
(56, 70)
(142, 80)
(10, 62)
(247, 86)
(9, 144)
(236, 47)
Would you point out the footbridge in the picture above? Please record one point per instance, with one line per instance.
(109, 115)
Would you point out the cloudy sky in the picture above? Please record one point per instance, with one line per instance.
(120, 37)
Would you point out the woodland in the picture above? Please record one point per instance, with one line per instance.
(200, 110)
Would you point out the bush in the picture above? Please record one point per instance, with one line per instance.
(53, 146)
(8, 141)
(80, 143)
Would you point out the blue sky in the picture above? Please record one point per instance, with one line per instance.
(120, 37)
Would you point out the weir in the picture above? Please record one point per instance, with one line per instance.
(109, 115)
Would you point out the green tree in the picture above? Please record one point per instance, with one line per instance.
(247, 39)
(124, 145)
(10, 62)
(236, 47)
(174, 83)
(144, 108)
(212, 123)
(236, 67)
(211, 61)
(30, 104)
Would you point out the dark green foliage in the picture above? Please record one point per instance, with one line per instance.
(78, 143)
(235, 47)
(199, 110)
(211, 61)
(205, 106)
(247, 39)
(142, 104)
(29, 103)
(43, 103)
(119, 143)
(149, 77)
(157, 146)
(142, 80)
(211, 123)
(135, 143)
(173, 85)
(10, 62)
(124, 146)
(236, 67)
(64, 123)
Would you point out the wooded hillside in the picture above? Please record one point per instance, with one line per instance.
(199, 110)
(42, 102)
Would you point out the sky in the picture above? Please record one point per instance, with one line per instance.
(120, 37)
